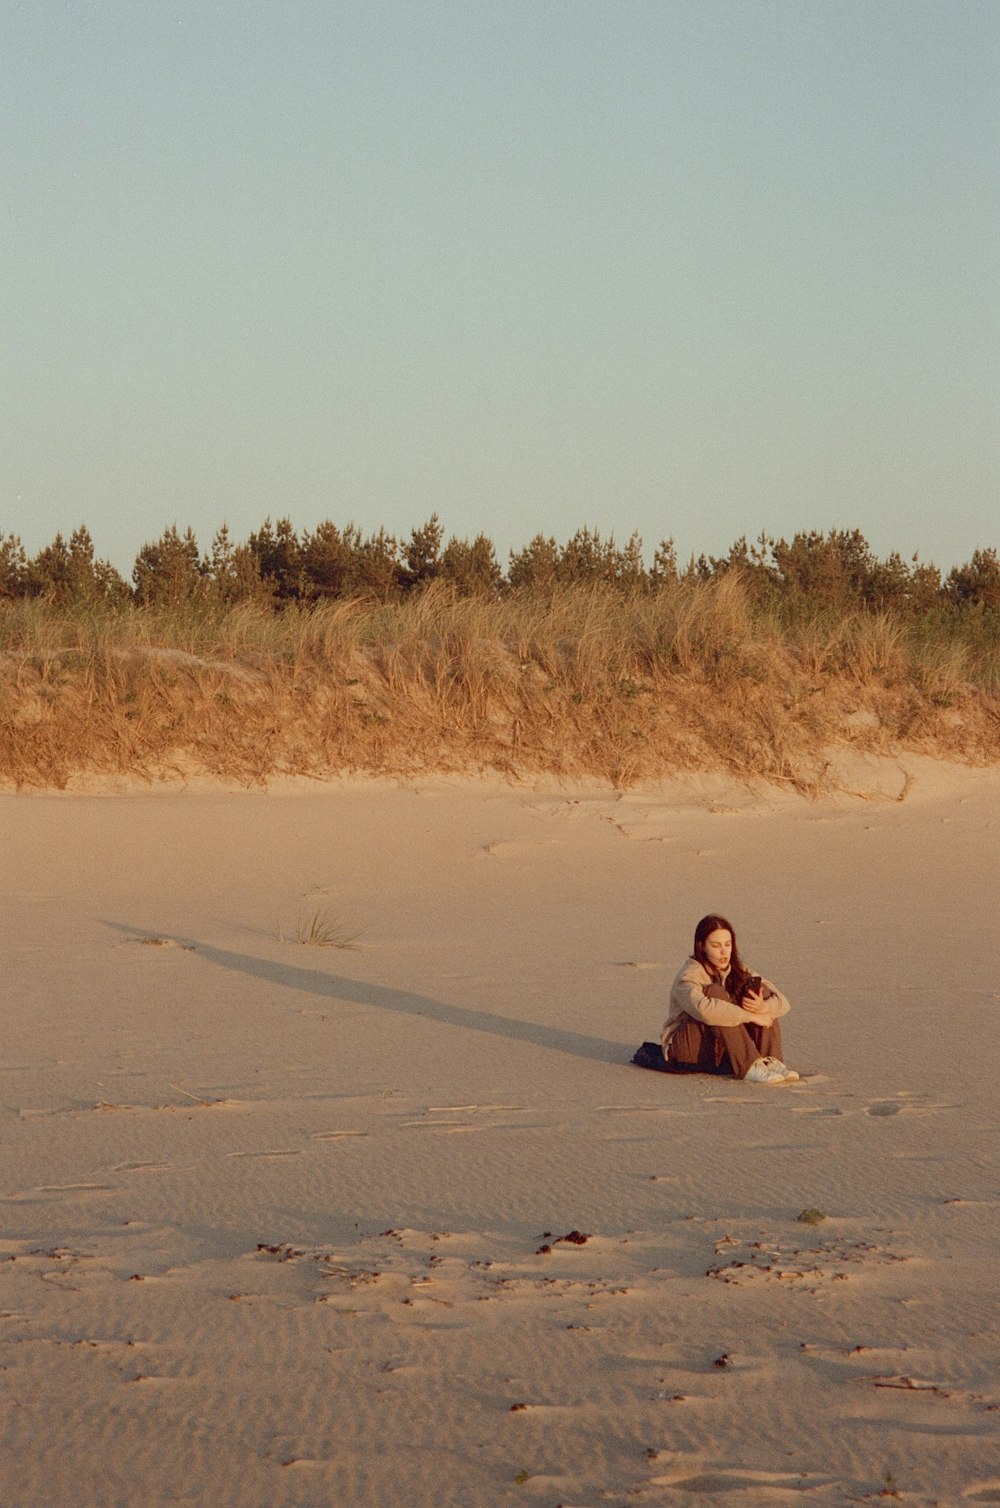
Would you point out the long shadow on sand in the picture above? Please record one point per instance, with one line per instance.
(338, 987)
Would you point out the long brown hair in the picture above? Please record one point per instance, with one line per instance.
(704, 929)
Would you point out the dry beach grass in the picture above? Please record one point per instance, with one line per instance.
(579, 682)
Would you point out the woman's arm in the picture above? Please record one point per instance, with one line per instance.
(687, 994)
(765, 1006)
(775, 1001)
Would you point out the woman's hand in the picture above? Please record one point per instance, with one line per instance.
(757, 1010)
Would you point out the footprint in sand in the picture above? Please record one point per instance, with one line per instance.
(547, 1409)
(909, 1101)
(50, 1192)
(907, 1106)
(768, 1482)
(271, 1152)
(451, 1119)
(192, 1105)
(504, 848)
(439, 1125)
(805, 1268)
(635, 1110)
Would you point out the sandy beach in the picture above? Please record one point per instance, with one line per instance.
(399, 1222)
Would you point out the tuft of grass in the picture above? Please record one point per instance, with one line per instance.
(810, 1216)
(318, 929)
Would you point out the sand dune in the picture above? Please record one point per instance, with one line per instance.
(400, 1223)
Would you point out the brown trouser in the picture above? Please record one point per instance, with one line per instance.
(723, 1049)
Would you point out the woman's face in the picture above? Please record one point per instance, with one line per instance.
(718, 947)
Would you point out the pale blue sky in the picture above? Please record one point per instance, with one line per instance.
(694, 267)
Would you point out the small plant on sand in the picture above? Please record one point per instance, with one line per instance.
(810, 1216)
(522, 1476)
(318, 929)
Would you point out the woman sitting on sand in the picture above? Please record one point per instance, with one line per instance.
(723, 1019)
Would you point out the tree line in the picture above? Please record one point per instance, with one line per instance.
(277, 566)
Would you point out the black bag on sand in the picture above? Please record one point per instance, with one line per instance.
(650, 1055)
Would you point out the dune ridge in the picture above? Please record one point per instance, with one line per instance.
(580, 683)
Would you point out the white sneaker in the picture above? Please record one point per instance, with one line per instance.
(770, 1071)
(791, 1076)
